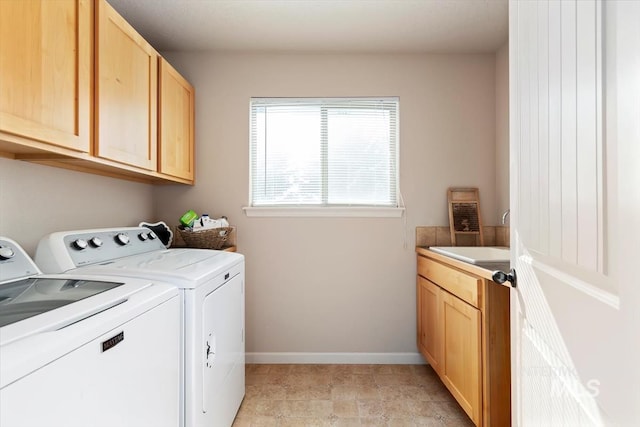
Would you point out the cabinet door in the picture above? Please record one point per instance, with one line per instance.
(429, 323)
(461, 363)
(45, 71)
(126, 92)
(175, 123)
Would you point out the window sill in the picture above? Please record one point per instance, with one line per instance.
(343, 212)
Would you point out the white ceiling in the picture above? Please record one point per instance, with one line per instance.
(320, 25)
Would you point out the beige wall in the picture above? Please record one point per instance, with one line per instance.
(36, 200)
(502, 130)
(338, 284)
(313, 284)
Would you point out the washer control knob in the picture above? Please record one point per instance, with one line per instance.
(80, 244)
(6, 253)
(122, 239)
(96, 242)
(143, 236)
(152, 235)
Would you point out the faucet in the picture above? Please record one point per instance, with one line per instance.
(505, 215)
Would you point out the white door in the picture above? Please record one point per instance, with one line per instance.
(575, 195)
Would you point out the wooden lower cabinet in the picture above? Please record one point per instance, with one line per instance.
(466, 340)
(429, 322)
(460, 367)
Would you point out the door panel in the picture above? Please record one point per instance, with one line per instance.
(573, 342)
(589, 129)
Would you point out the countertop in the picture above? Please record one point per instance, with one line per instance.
(483, 270)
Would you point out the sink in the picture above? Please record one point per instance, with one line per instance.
(480, 255)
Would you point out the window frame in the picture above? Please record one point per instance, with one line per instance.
(325, 209)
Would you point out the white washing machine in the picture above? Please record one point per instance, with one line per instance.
(80, 350)
(211, 285)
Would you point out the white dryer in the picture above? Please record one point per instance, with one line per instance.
(211, 285)
(79, 350)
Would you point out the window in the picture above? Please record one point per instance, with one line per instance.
(335, 152)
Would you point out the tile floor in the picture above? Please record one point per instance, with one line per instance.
(347, 395)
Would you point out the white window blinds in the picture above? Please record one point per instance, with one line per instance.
(324, 152)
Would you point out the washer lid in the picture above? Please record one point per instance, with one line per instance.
(29, 297)
(185, 268)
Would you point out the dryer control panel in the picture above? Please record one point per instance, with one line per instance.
(63, 251)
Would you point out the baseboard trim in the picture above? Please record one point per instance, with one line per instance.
(337, 358)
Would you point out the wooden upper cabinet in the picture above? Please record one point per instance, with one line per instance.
(126, 92)
(175, 124)
(45, 72)
(80, 89)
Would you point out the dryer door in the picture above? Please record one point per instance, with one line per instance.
(223, 351)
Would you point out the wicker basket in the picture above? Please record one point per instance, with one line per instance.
(214, 238)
